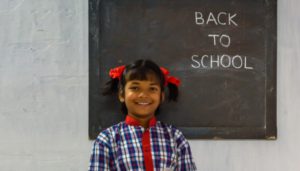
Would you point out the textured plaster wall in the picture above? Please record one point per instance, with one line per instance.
(44, 85)
(44, 93)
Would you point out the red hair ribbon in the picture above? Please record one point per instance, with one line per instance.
(118, 71)
(169, 79)
(173, 80)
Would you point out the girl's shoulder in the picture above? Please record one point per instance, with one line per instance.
(108, 134)
(173, 133)
(171, 129)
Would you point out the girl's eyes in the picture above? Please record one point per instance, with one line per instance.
(134, 88)
(152, 89)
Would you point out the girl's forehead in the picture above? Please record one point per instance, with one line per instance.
(143, 82)
(148, 81)
(149, 77)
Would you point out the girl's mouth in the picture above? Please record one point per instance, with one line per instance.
(143, 103)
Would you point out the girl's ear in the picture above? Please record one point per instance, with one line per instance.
(121, 96)
(162, 97)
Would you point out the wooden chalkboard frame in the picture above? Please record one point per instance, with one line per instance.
(269, 131)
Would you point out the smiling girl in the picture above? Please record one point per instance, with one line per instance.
(141, 142)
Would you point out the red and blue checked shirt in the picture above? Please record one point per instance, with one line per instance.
(129, 146)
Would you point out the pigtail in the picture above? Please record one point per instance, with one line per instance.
(173, 92)
(111, 87)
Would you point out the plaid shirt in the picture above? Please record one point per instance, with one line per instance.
(128, 146)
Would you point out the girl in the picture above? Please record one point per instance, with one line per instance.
(141, 142)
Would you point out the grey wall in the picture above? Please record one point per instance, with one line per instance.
(44, 93)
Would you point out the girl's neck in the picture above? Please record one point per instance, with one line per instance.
(144, 121)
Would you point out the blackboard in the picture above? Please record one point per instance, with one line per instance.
(224, 52)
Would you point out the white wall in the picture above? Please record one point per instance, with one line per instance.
(44, 93)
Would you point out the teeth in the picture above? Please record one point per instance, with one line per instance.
(143, 103)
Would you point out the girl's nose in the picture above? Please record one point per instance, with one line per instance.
(143, 94)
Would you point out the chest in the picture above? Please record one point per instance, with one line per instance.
(129, 149)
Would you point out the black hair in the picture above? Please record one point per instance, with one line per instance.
(139, 70)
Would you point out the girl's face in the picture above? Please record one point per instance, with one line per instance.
(142, 97)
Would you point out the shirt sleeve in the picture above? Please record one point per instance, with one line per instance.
(185, 159)
(100, 157)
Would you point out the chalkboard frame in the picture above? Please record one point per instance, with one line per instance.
(268, 132)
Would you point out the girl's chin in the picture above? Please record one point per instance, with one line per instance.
(143, 114)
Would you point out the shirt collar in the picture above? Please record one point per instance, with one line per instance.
(134, 122)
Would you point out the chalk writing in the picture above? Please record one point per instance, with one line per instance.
(221, 60)
(222, 18)
(220, 39)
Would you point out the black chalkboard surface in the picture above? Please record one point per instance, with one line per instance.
(224, 52)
